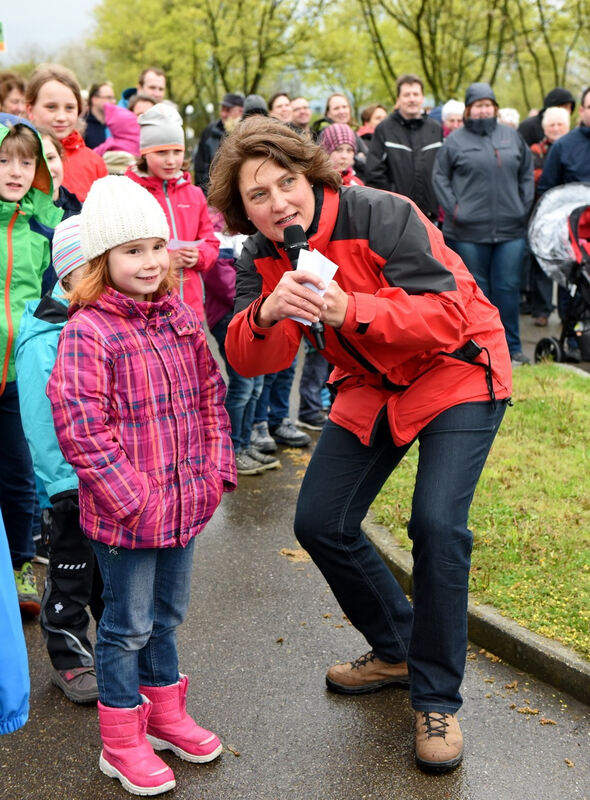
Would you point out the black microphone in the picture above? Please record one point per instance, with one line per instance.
(295, 241)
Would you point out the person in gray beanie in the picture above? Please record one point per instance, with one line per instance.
(255, 104)
(483, 179)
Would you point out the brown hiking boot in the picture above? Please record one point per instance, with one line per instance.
(367, 674)
(439, 741)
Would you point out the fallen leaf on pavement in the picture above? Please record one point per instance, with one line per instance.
(547, 721)
(295, 554)
(569, 763)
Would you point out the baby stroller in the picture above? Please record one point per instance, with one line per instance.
(559, 236)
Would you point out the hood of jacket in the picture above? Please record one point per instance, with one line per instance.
(479, 91)
(558, 97)
(121, 305)
(42, 180)
(41, 316)
(153, 184)
(124, 129)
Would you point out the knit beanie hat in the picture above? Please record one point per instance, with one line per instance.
(479, 91)
(160, 127)
(255, 104)
(65, 248)
(335, 135)
(118, 210)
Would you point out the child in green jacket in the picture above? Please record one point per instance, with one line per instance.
(27, 219)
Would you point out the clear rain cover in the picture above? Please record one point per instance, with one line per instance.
(548, 229)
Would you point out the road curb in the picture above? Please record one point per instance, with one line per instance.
(544, 658)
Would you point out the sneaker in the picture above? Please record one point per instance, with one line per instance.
(263, 459)
(261, 438)
(518, 359)
(313, 423)
(439, 741)
(246, 465)
(367, 674)
(287, 433)
(541, 321)
(26, 588)
(78, 684)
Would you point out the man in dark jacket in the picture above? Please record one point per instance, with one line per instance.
(568, 159)
(232, 107)
(531, 129)
(404, 147)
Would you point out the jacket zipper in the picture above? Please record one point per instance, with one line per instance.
(9, 266)
(175, 234)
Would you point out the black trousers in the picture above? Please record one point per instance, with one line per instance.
(73, 582)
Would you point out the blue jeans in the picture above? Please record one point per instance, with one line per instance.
(496, 269)
(18, 494)
(315, 373)
(146, 595)
(242, 393)
(273, 403)
(342, 480)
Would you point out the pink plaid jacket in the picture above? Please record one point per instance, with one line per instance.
(138, 408)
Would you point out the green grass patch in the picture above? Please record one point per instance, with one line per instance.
(531, 512)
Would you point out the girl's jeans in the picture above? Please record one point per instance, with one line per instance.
(146, 596)
(342, 480)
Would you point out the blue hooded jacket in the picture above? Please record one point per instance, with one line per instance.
(35, 354)
(14, 666)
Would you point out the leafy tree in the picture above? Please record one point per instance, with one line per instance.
(206, 47)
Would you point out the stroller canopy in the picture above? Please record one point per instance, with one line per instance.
(549, 233)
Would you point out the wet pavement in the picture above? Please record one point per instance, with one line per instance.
(261, 631)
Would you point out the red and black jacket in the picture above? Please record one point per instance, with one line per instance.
(412, 307)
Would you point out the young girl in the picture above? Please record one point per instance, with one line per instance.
(160, 171)
(62, 197)
(73, 580)
(54, 101)
(138, 408)
(339, 142)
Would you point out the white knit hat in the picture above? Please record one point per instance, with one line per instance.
(118, 210)
(65, 248)
(160, 127)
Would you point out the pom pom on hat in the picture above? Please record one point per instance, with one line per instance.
(118, 210)
(160, 127)
(66, 249)
(335, 135)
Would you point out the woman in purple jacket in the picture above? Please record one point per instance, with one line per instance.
(138, 408)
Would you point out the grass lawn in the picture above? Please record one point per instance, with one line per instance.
(531, 512)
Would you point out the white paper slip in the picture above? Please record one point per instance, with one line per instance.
(176, 244)
(313, 261)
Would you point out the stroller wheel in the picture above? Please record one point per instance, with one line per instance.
(548, 349)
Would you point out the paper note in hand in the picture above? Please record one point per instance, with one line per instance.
(313, 261)
(176, 244)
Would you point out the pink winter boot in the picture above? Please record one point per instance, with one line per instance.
(126, 753)
(171, 728)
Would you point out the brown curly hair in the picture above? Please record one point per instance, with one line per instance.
(263, 137)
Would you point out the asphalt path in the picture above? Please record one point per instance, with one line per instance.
(262, 629)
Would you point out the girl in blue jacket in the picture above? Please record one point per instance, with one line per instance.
(73, 580)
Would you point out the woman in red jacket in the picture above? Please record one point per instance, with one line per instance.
(54, 101)
(419, 353)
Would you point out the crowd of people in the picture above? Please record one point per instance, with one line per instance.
(120, 434)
